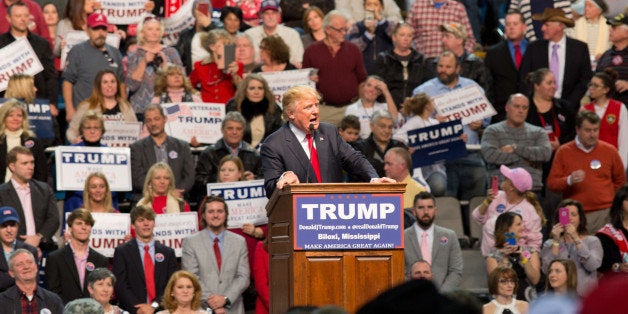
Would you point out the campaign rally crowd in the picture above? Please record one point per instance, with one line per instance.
(514, 111)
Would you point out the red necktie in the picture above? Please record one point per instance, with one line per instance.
(217, 253)
(314, 157)
(149, 274)
(517, 56)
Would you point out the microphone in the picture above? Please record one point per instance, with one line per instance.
(310, 155)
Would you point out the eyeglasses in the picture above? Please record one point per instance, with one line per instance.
(339, 30)
(108, 57)
(507, 281)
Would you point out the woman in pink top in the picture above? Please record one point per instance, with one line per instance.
(514, 196)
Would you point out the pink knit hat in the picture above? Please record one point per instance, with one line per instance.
(520, 178)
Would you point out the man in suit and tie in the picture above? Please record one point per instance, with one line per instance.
(566, 57)
(503, 61)
(9, 223)
(436, 245)
(33, 200)
(160, 147)
(142, 266)
(219, 259)
(67, 268)
(306, 150)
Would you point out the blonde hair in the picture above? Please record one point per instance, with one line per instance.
(6, 109)
(87, 200)
(211, 38)
(140, 26)
(149, 195)
(295, 95)
(161, 82)
(531, 198)
(236, 160)
(170, 303)
(21, 86)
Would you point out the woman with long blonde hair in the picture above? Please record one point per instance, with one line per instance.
(160, 192)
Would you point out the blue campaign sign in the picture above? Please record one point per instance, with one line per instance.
(39, 118)
(348, 222)
(437, 143)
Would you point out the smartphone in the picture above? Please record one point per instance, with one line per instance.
(203, 7)
(563, 216)
(510, 238)
(229, 54)
(495, 184)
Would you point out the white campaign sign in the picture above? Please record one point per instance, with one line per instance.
(177, 23)
(246, 200)
(122, 12)
(17, 57)
(121, 134)
(279, 82)
(75, 163)
(202, 120)
(108, 231)
(171, 229)
(76, 37)
(467, 103)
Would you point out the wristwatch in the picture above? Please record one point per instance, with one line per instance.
(227, 302)
(154, 305)
(616, 267)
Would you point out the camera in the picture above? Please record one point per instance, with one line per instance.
(157, 61)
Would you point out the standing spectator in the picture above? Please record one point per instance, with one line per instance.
(245, 53)
(160, 193)
(402, 68)
(51, 17)
(142, 266)
(9, 242)
(85, 60)
(45, 81)
(25, 296)
(275, 55)
(261, 278)
(36, 22)
(588, 170)
(293, 12)
(340, 68)
(614, 234)
(426, 17)
(67, 268)
(503, 61)
(75, 19)
(224, 270)
(249, 10)
(372, 34)
(271, 16)
(529, 8)
(143, 65)
(566, 57)
(356, 11)
(312, 25)
(189, 43)
(617, 57)
(572, 241)
(593, 29)
(373, 92)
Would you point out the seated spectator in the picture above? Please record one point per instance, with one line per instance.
(614, 234)
(293, 12)
(349, 128)
(357, 11)
(402, 67)
(274, 54)
(374, 96)
(15, 131)
(209, 75)
(313, 26)
(514, 196)
(182, 295)
(614, 116)
(261, 278)
(10, 242)
(397, 166)
(100, 283)
(144, 64)
(160, 193)
(512, 253)
(172, 86)
(245, 54)
(256, 102)
(592, 29)
(562, 278)
(232, 19)
(248, 12)
(572, 241)
(372, 34)
(106, 99)
(75, 260)
(23, 268)
(421, 270)
(502, 285)
(420, 109)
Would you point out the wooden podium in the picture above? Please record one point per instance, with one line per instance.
(348, 277)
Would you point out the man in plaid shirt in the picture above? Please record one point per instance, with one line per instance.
(426, 17)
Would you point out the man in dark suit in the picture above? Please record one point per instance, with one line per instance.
(9, 223)
(160, 147)
(67, 268)
(288, 154)
(33, 200)
(566, 57)
(503, 61)
(130, 263)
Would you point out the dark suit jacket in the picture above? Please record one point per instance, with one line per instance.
(282, 152)
(504, 74)
(11, 303)
(44, 207)
(62, 277)
(130, 282)
(577, 68)
(179, 160)
(36, 146)
(6, 280)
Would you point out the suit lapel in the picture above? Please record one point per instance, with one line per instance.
(136, 259)
(150, 151)
(68, 259)
(295, 147)
(160, 266)
(414, 241)
(504, 52)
